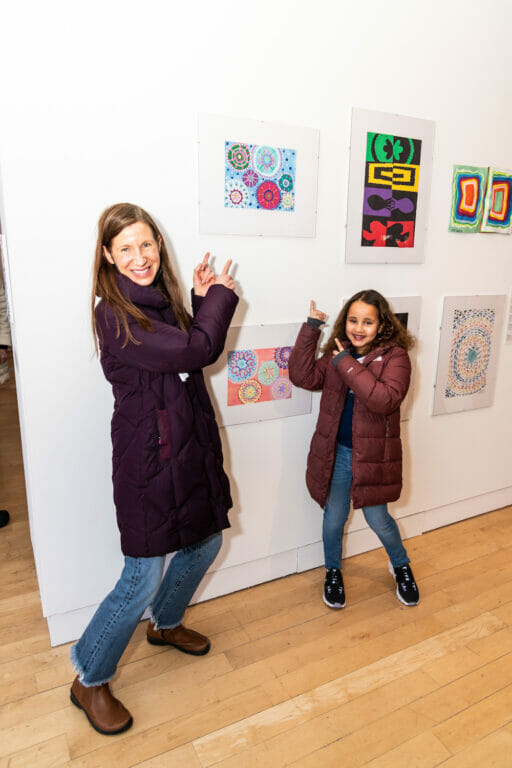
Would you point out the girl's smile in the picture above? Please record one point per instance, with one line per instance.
(135, 253)
(362, 325)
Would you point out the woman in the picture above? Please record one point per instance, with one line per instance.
(170, 490)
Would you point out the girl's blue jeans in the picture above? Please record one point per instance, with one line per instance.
(95, 656)
(336, 512)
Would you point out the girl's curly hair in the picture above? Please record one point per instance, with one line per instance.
(391, 329)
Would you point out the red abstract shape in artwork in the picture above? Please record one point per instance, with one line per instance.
(377, 234)
(405, 237)
(392, 234)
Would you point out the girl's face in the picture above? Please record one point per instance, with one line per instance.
(362, 325)
(135, 253)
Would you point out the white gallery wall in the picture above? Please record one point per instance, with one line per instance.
(99, 104)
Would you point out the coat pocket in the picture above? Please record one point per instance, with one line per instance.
(164, 435)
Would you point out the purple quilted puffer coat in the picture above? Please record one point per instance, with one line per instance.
(170, 489)
(379, 383)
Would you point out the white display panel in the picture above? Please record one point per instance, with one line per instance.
(398, 177)
(217, 216)
(255, 386)
(408, 308)
(468, 352)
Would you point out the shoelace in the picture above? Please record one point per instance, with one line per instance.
(406, 577)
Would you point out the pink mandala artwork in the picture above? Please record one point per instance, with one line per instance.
(250, 178)
(264, 377)
(268, 195)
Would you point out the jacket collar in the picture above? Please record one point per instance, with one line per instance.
(378, 351)
(141, 295)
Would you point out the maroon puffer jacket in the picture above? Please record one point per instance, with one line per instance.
(170, 489)
(379, 384)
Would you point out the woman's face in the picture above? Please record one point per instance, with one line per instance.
(135, 253)
(362, 325)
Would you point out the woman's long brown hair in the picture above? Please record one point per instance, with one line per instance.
(391, 330)
(104, 283)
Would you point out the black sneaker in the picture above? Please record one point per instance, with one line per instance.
(334, 592)
(406, 588)
(4, 517)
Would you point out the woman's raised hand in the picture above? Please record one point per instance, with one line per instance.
(225, 278)
(204, 276)
(316, 313)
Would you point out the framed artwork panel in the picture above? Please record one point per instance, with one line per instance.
(468, 352)
(497, 210)
(257, 178)
(468, 192)
(407, 309)
(389, 187)
(250, 381)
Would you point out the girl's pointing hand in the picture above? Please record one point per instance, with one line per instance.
(316, 313)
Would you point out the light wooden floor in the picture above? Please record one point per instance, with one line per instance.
(288, 682)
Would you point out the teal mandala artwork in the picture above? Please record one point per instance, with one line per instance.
(242, 365)
(259, 177)
(470, 351)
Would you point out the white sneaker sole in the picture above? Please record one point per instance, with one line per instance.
(337, 606)
(397, 593)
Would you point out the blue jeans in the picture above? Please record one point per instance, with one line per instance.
(95, 656)
(336, 512)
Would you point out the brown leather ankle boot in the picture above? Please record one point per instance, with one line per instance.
(105, 713)
(186, 640)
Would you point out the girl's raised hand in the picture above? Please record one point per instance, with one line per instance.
(316, 313)
(225, 278)
(339, 345)
(204, 276)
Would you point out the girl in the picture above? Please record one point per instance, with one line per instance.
(356, 451)
(170, 490)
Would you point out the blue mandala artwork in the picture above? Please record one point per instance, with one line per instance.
(259, 177)
(241, 364)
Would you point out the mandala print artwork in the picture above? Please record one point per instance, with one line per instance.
(392, 172)
(470, 351)
(258, 375)
(259, 177)
(468, 190)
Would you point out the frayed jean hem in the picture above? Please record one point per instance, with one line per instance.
(80, 670)
(159, 626)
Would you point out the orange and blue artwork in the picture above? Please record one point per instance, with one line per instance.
(468, 192)
(258, 375)
(259, 177)
(497, 208)
(392, 171)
